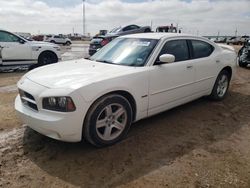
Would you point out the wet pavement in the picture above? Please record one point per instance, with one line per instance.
(75, 51)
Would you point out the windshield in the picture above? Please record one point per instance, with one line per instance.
(126, 51)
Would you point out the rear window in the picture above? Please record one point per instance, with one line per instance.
(201, 49)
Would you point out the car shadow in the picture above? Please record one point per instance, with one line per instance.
(151, 144)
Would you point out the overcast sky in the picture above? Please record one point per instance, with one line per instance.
(205, 17)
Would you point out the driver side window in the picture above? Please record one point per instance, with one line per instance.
(8, 37)
(178, 48)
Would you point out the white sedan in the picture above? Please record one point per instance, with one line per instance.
(131, 78)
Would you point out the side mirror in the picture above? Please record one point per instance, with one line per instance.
(21, 41)
(167, 58)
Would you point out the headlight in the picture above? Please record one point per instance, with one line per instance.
(61, 104)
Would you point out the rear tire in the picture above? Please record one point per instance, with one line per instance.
(221, 86)
(108, 120)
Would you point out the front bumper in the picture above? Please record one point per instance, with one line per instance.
(64, 126)
(56, 127)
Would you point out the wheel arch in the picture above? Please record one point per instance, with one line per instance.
(47, 51)
(229, 70)
(124, 94)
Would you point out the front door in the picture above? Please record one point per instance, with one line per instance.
(172, 83)
(14, 49)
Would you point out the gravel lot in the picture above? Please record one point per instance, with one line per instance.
(199, 144)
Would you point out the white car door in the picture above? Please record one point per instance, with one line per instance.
(171, 84)
(14, 49)
(205, 64)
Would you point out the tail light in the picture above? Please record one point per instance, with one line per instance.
(104, 42)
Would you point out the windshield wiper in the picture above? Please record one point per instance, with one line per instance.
(104, 61)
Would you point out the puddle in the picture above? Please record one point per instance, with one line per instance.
(8, 89)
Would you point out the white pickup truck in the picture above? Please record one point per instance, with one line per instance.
(16, 50)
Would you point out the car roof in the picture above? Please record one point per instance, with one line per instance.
(158, 35)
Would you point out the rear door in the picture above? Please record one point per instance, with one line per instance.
(205, 64)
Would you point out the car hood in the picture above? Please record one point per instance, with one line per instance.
(75, 74)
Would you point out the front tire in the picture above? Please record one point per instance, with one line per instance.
(108, 120)
(244, 65)
(47, 58)
(68, 43)
(221, 86)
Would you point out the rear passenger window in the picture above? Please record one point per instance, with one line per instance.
(201, 49)
(178, 48)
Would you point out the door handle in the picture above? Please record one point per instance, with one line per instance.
(189, 66)
(217, 61)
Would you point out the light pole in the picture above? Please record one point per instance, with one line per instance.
(83, 17)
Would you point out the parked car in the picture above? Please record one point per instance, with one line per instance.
(244, 55)
(234, 40)
(38, 37)
(57, 39)
(221, 40)
(98, 42)
(244, 39)
(16, 50)
(167, 29)
(131, 78)
(101, 40)
(130, 29)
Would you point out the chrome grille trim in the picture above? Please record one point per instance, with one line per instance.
(28, 100)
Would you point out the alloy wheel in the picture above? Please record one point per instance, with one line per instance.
(111, 121)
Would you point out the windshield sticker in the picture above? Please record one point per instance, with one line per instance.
(141, 43)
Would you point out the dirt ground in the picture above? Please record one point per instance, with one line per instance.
(200, 144)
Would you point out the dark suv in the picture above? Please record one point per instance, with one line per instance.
(244, 54)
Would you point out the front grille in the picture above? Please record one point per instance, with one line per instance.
(28, 100)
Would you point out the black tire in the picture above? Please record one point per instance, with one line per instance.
(53, 41)
(68, 43)
(216, 95)
(47, 58)
(93, 134)
(243, 65)
(147, 30)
